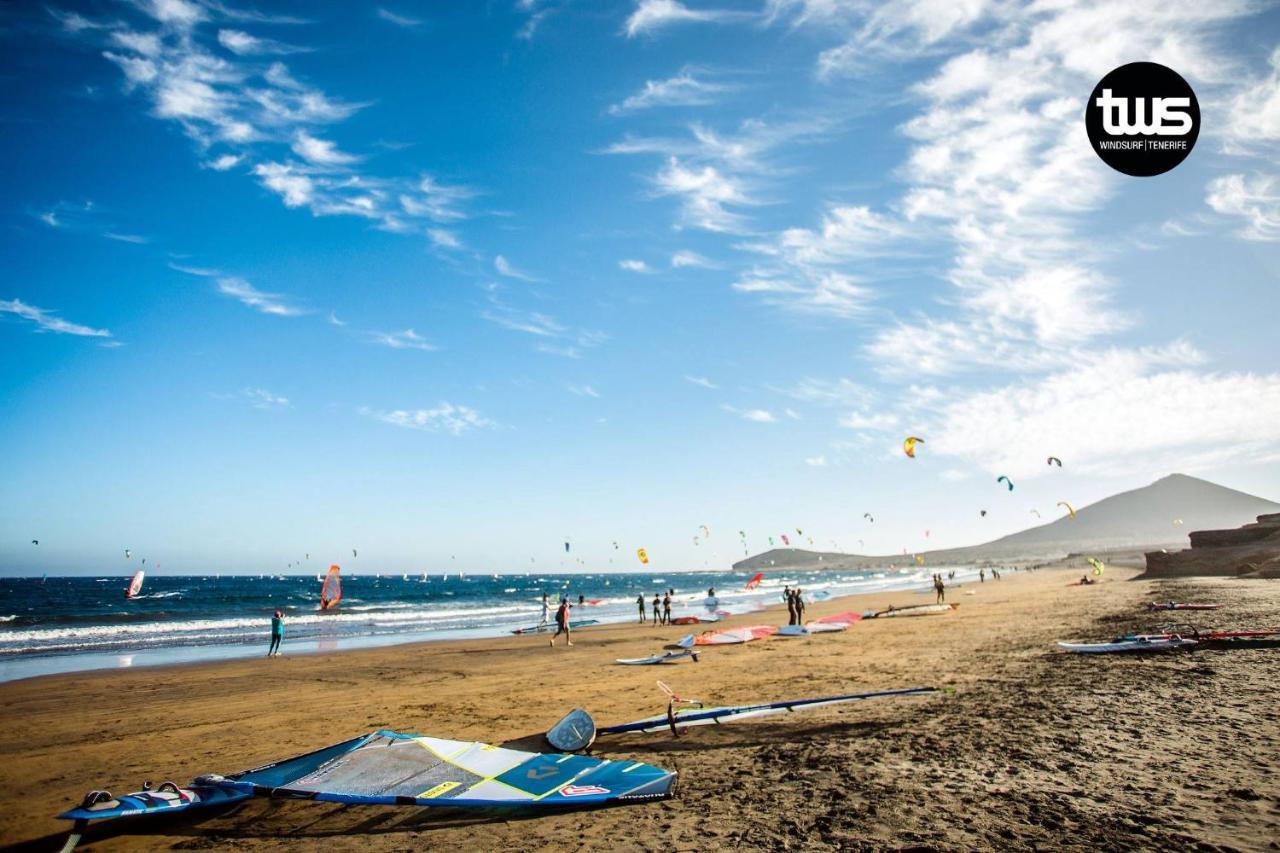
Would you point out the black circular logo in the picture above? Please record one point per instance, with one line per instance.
(1142, 119)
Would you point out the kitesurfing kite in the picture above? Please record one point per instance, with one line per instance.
(867, 516)
(331, 589)
(1070, 509)
(1098, 566)
(909, 445)
(706, 531)
(1003, 479)
(643, 555)
(982, 513)
(785, 540)
(35, 541)
(127, 553)
(1036, 513)
(1053, 460)
(755, 580)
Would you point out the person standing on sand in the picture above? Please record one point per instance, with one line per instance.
(562, 623)
(640, 603)
(799, 607)
(982, 575)
(791, 605)
(277, 633)
(666, 609)
(546, 611)
(939, 588)
(657, 609)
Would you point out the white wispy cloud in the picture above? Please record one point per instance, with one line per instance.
(631, 265)
(444, 238)
(584, 391)
(816, 461)
(407, 339)
(1253, 199)
(686, 258)
(759, 416)
(320, 151)
(267, 303)
(829, 392)
(701, 381)
(136, 239)
(504, 267)
(244, 44)
(224, 162)
(652, 15)
(334, 321)
(261, 398)
(202, 272)
(1253, 116)
(683, 90)
(1088, 414)
(399, 20)
(46, 320)
(529, 322)
(445, 417)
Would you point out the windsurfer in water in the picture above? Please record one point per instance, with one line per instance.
(562, 623)
(277, 633)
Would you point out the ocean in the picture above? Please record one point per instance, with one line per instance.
(64, 624)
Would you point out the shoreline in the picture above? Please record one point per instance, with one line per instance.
(21, 666)
(1013, 759)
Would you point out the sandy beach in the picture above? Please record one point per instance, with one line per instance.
(1035, 749)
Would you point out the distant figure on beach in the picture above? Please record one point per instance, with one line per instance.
(982, 575)
(666, 609)
(799, 606)
(657, 609)
(791, 605)
(711, 593)
(1086, 580)
(995, 573)
(562, 623)
(582, 599)
(640, 603)
(939, 588)
(546, 611)
(277, 633)
(951, 575)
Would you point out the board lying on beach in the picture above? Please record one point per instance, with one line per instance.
(913, 610)
(669, 657)
(551, 626)
(682, 718)
(1134, 645)
(1173, 605)
(168, 798)
(734, 635)
(793, 631)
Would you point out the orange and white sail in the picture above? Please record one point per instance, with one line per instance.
(135, 585)
(331, 589)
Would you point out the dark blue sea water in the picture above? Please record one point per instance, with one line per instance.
(64, 624)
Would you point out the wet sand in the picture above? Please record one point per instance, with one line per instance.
(1036, 749)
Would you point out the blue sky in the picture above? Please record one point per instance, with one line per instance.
(448, 283)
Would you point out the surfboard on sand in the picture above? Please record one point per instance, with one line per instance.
(668, 657)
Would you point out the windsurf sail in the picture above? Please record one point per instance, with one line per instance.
(755, 581)
(734, 635)
(331, 589)
(913, 610)
(846, 618)
(538, 629)
(684, 717)
(394, 769)
(135, 585)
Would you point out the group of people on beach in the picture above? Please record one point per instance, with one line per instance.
(795, 605)
(661, 608)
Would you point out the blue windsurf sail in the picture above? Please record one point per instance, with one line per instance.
(390, 768)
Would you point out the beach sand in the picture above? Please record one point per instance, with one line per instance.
(1036, 748)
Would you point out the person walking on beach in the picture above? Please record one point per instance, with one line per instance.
(277, 633)
(939, 588)
(546, 611)
(791, 604)
(562, 623)
(657, 609)
(982, 575)
(640, 603)
(799, 607)
(666, 609)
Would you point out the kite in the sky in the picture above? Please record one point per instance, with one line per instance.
(1036, 513)
(643, 555)
(982, 513)
(909, 445)
(1071, 511)
(1098, 566)
(1053, 460)
(1003, 479)
(35, 541)
(867, 516)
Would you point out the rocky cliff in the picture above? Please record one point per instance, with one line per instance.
(1249, 551)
